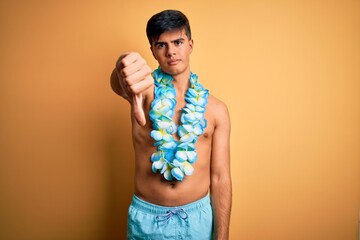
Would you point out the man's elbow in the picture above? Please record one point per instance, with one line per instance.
(220, 179)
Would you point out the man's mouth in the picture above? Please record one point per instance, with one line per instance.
(173, 61)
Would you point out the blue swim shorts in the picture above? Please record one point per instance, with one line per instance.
(150, 221)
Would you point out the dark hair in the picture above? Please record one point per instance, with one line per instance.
(168, 20)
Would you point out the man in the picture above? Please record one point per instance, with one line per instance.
(181, 140)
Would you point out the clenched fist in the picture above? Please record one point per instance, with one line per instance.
(134, 76)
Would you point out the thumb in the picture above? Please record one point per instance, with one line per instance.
(138, 109)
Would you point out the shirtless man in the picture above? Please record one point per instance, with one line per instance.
(180, 195)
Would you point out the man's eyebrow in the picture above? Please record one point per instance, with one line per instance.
(176, 40)
(157, 43)
(179, 39)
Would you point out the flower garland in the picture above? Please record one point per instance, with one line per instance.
(173, 158)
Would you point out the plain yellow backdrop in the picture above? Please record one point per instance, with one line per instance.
(289, 72)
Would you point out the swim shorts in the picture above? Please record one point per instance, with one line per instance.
(150, 221)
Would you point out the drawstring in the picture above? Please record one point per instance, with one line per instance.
(166, 217)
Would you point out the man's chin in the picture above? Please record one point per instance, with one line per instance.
(173, 71)
(169, 71)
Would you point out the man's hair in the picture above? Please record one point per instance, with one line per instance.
(168, 20)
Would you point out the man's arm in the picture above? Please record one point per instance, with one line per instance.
(220, 188)
(131, 78)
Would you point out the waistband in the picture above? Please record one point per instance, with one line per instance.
(157, 209)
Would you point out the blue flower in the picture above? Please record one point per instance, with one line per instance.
(177, 173)
(185, 167)
(198, 98)
(161, 78)
(165, 124)
(164, 92)
(166, 145)
(162, 107)
(189, 133)
(192, 113)
(186, 152)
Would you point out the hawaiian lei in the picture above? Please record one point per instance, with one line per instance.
(173, 158)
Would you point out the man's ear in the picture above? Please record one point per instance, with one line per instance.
(191, 44)
(151, 48)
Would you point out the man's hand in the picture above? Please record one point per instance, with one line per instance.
(135, 78)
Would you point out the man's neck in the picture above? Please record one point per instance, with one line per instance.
(181, 82)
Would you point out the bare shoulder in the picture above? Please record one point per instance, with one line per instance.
(218, 111)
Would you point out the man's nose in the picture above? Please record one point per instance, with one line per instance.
(170, 51)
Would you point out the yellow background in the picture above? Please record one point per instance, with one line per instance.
(289, 72)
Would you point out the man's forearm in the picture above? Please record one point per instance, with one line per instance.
(221, 196)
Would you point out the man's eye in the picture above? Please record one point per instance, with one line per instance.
(177, 43)
(159, 46)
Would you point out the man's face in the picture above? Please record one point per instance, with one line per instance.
(172, 51)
